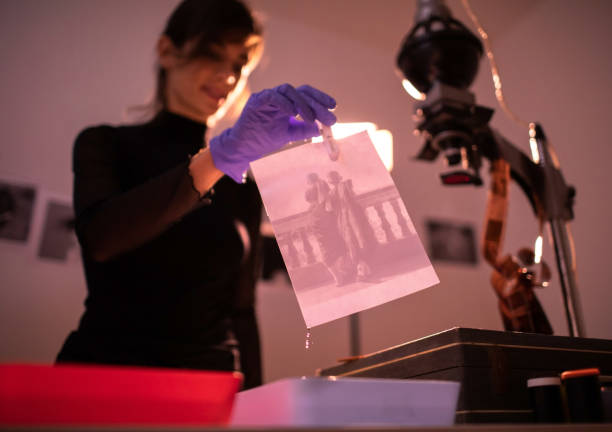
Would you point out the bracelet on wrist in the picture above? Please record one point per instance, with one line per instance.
(204, 197)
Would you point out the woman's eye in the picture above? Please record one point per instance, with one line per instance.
(237, 68)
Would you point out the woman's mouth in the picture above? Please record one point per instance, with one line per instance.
(217, 95)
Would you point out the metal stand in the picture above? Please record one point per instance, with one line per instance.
(567, 276)
(354, 334)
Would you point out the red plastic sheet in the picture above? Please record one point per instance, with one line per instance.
(102, 395)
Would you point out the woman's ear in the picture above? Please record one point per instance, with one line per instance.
(166, 52)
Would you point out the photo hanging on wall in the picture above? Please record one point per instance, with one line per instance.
(16, 210)
(58, 239)
(453, 242)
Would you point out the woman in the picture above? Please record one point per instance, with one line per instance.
(325, 227)
(353, 226)
(170, 266)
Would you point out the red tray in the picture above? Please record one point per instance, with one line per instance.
(102, 395)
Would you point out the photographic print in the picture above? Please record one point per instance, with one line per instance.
(58, 237)
(342, 228)
(453, 242)
(16, 210)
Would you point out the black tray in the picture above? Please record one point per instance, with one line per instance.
(492, 366)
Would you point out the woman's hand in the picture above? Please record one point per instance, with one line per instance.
(267, 123)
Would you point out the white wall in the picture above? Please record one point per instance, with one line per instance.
(71, 63)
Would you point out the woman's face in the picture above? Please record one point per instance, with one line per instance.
(197, 88)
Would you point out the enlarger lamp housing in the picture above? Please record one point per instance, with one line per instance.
(439, 49)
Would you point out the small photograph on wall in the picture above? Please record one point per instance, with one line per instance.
(452, 242)
(16, 210)
(57, 240)
(343, 231)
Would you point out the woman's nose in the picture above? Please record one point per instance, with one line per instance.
(226, 75)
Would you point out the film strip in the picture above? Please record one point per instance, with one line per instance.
(514, 277)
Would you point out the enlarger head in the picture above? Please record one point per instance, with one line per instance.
(438, 48)
(439, 61)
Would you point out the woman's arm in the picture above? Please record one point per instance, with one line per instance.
(111, 221)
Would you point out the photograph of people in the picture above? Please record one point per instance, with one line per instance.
(355, 230)
(325, 228)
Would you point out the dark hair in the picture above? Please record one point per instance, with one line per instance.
(204, 23)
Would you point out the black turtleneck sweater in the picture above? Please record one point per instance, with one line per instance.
(167, 275)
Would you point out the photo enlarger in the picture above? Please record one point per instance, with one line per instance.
(439, 60)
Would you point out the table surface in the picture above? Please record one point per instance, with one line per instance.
(458, 428)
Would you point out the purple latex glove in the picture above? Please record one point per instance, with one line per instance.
(267, 123)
